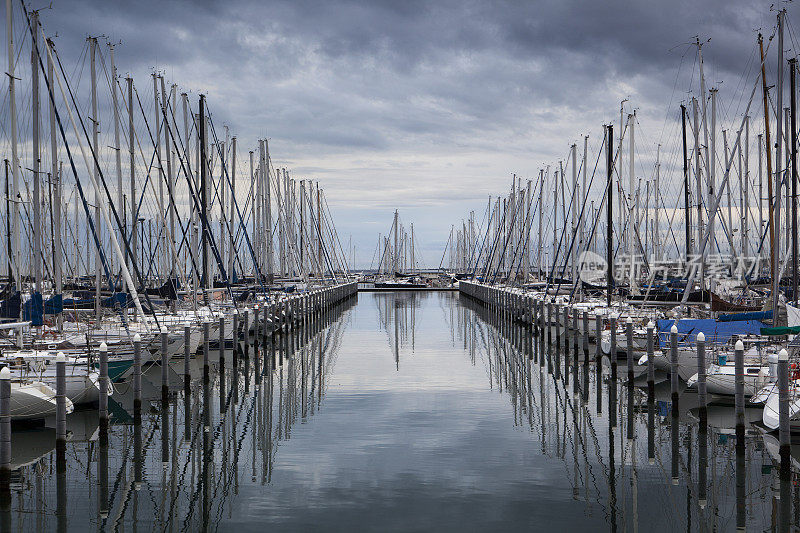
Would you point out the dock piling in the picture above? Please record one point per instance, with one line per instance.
(164, 361)
(103, 402)
(61, 398)
(701, 370)
(187, 338)
(673, 368)
(629, 346)
(222, 341)
(5, 420)
(651, 376)
(137, 377)
(784, 436)
(738, 355)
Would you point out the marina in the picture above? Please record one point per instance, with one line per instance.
(464, 414)
(197, 334)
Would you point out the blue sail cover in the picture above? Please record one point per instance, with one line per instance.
(715, 332)
(753, 315)
(54, 305)
(33, 309)
(10, 306)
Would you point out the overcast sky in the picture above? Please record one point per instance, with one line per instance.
(427, 107)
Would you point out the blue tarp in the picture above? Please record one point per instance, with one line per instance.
(9, 307)
(54, 305)
(754, 315)
(33, 310)
(715, 332)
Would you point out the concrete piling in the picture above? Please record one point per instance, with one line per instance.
(187, 341)
(612, 353)
(246, 330)
(598, 332)
(629, 353)
(206, 333)
(651, 376)
(61, 398)
(673, 358)
(738, 355)
(103, 402)
(585, 319)
(784, 435)
(164, 361)
(235, 337)
(575, 341)
(137, 377)
(5, 421)
(701, 370)
(222, 341)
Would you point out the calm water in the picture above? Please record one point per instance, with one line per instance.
(410, 412)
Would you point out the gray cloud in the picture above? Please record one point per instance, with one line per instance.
(426, 106)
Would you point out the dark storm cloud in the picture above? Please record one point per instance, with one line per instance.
(421, 103)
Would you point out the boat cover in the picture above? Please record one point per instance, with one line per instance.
(753, 315)
(716, 332)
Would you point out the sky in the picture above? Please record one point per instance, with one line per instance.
(428, 107)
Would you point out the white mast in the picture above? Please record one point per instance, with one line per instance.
(728, 163)
(711, 163)
(258, 202)
(231, 232)
(253, 211)
(170, 188)
(117, 150)
(631, 181)
(526, 245)
(96, 163)
(14, 192)
(745, 206)
(36, 201)
(539, 234)
(396, 250)
(584, 189)
(656, 237)
(577, 197)
(56, 177)
(778, 154)
(159, 175)
(698, 175)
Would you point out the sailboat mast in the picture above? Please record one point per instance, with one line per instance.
(711, 163)
(204, 195)
(609, 212)
(267, 213)
(132, 163)
(687, 214)
(35, 120)
(574, 207)
(15, 230)
(539, 233)
(584, 190)
(117, 148)
(656, 238)
(56, 177)
(698, 178)
(95, 148)
(231, 232)
(776, 276)
(744, 188)
(631, 186)
(793, 129)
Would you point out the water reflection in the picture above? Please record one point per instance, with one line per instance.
(486, 425)
(733, 470)
(115, 478)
